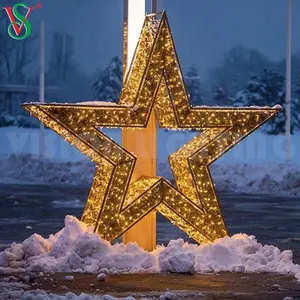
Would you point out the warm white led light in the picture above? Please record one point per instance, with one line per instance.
(155, 81)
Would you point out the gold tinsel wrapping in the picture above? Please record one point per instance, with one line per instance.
(153, 81)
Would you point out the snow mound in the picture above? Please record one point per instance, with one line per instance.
(77, 249)
(12, 290)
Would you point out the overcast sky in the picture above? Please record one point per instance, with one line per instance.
(203, 29)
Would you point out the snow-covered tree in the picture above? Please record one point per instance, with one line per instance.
(220, 96)
(296, 106)
(16, 57)
(266, 89)
(64, 73)
(237, 66)
(193, 85)
(61, 64)
(281, 66)
(108, 85)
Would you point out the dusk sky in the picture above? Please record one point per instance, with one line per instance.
(203, 29)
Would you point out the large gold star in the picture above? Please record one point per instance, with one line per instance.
(154, 81)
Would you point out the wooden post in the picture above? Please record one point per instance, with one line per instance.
(142, 143)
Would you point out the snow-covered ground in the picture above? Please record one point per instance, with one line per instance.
(38, 295)
(19, 291)
(11, 290)
(257, 149)
(255, 166)
(272, 179)
(77, 249)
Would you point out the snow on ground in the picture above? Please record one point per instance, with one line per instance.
(39, 295)
(77, 249)
(283, 179)
(68, 203)
(25, 168)
(273, 179)
(269, 179)
(258, 148)
(11, 293)
(255, 166)
(11, 290)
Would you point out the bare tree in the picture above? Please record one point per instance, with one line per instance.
(61, 58)
(15, 55)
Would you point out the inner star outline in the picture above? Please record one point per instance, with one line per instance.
(154, 81)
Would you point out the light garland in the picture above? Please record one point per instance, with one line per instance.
(154, 80)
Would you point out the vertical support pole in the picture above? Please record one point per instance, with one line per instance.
(153, 6)
(288, 81)
(64, 58)
(9, 102)
(125, 37)
(140, 142)
(42, 88)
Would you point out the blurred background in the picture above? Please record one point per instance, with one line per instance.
(231, 52)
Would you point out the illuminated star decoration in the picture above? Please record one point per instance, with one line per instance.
(154, 81)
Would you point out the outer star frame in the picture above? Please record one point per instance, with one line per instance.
(154, 81)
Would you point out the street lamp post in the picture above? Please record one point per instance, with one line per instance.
(42, 88)
(288, 80)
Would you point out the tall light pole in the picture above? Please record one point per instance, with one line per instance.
(136, 15)
(42, 87)
(153, 6)
(288, 80)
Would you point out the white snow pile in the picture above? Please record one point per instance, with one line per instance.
(77, 249)
(11, 290)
